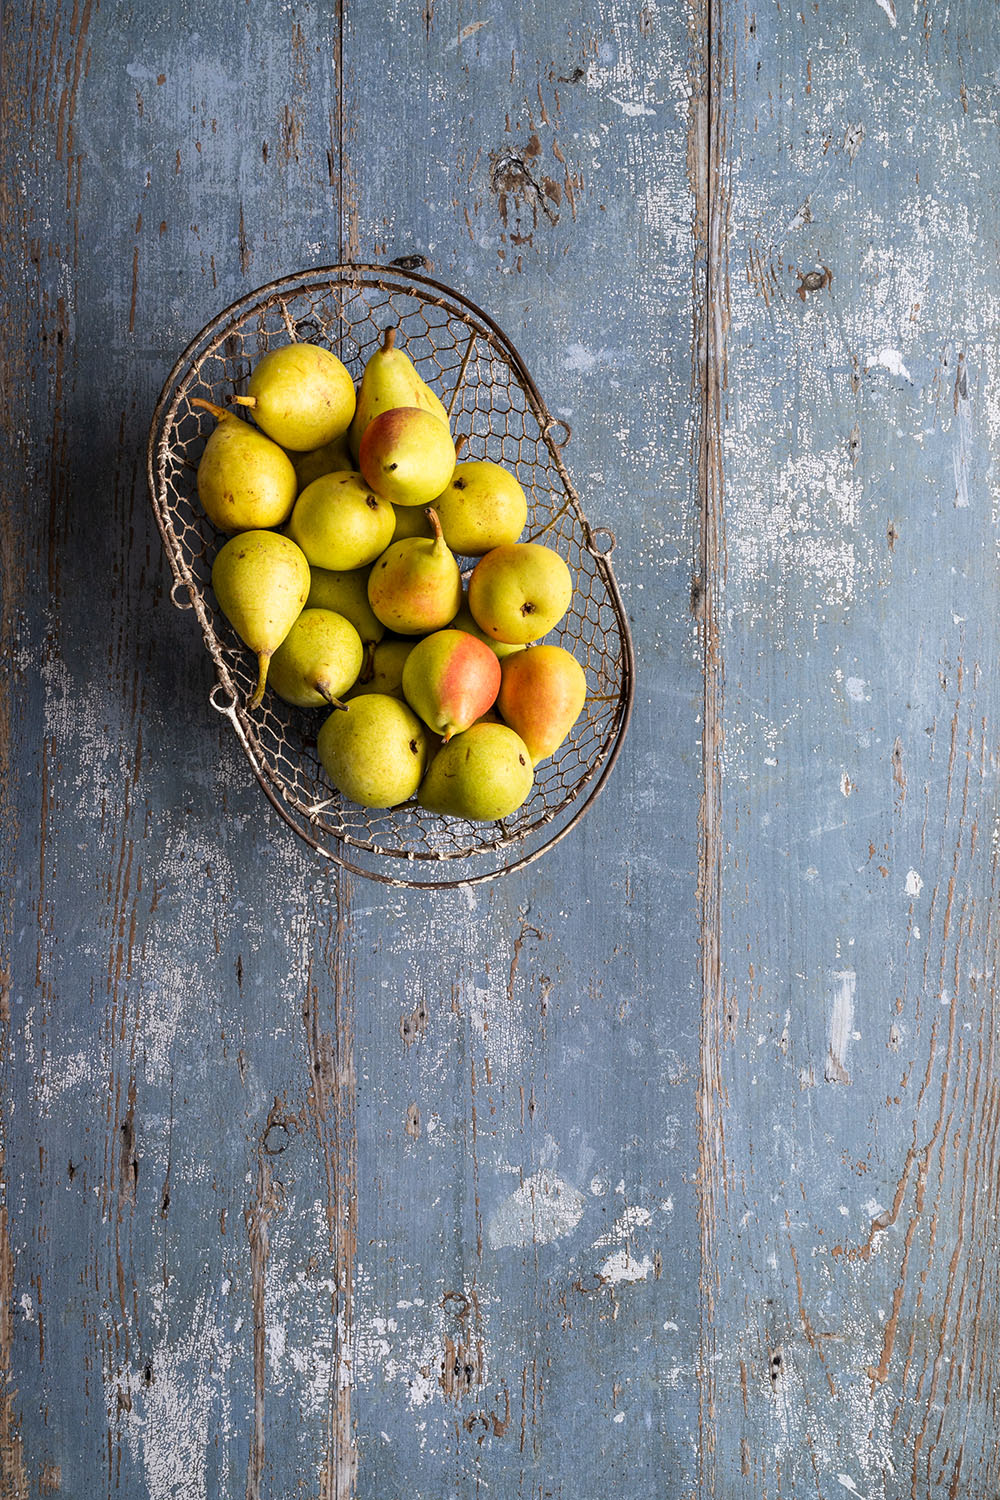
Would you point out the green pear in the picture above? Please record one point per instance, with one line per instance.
(261, 581)
(346, 594)
(541, 697)
(482, 507)
(390, 380)
(318, 661)
(375, 753)
(245, 482)
(416, 585)
(339, 524)
(464, 621)
(483, 774)
(386, 670)
(332, 458)
(407, 455)
(411, 520)
(450, 679)
(518, 592)
(301, 395)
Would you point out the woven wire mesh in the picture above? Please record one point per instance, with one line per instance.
(478, 374)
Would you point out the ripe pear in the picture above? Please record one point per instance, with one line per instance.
(318, 661)
(261, 580)
(387, 661)
(519, 592)
(450, 679)
(301, 395)
(482, 507)
(416, 586)
(411, 520)
(541, 696)
(407, 455)
(340, 524)
(389, 381)
(245, 482)
(376, 752)
(332, 458)
(482, 774)
(347, 595)
(464, 621)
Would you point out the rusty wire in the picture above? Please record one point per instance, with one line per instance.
(479, 375)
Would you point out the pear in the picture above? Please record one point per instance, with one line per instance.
(464, 621)
(416, 585)
(332, 458)
(376, 752)
(261, 581)
(347, 595)
(482, 507)
(541, 696)
(386, 670)
(340, 524)
(318, 661)
(518, 592)
(245, 482)
(301, 395)
(411, 520)
(482, 774)
(390, 380)
(450, 679)
(407, 455)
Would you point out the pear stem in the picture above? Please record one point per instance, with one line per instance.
(245, 400)
(367, 662)
(460, 443)
(333, 702)
(432, 516)
(388, 340)
(263, 662)
(217, 411)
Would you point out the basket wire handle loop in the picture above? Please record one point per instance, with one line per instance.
(550, 427)
(177, 599)
(223, 700)
(597, 534)
(461, 374)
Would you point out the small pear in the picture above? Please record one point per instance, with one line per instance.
(261, 580)
(464, 621)
(301, 395)
(386, 670)
(376, 752)
(519, 592)
(390, 380)
(332, 458)
(482, 507)
(245, 482)
(483, 774)
(347, 595)
(541, 697)
(339, 524)
(407, 455)
(411, 520)
(450, 679)
(416, 586)
(318, 661)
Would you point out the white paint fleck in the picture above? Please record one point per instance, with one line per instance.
(855, 689)
(889, 359)
(632, 107)
(542, 1209)
(620, 1417)
(914, 883)
(599, 1186)
(841, 1026)
(890, 9)
(579, 357)
(623, 1266)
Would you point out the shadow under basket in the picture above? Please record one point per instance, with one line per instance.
(479, 375)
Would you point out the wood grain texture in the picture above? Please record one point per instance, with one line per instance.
(850, 1032)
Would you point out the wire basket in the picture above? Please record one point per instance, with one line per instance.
(481, 378)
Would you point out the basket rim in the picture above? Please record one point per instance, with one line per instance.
(358, 275)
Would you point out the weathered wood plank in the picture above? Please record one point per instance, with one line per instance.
(849, 1075)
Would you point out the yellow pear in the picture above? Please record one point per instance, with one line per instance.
(301, 395)
(542, 692)
(245, 481)
(390, 380)
(261, 580)
(482, 774)
(375, 752)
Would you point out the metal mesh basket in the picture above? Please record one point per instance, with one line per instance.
(479, 375)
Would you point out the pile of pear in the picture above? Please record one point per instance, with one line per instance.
(348, 511)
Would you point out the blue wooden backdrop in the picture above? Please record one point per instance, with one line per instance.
(667, 1166)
